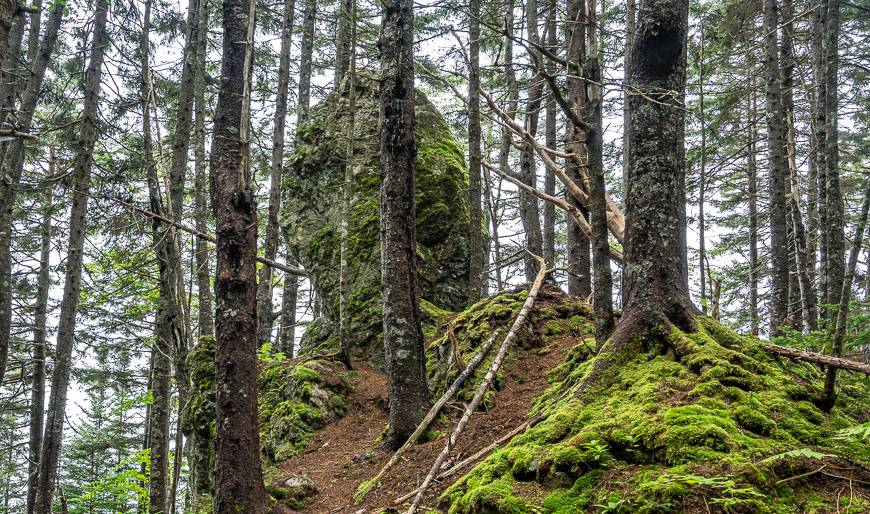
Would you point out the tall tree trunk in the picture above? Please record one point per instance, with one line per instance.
(476, 249)
(403, 338)
(12, 167)
(702, 175)
(291, 282)
(820, 126)
(88, 126)
(603, 290)
(343, 41)
(549, 219)
(656, 293)
(238, 476)
(752, 179)
(200, 190)
(835, 222)
(829, 394)
(530, 213)
(504, 153)
(40, 316)
(167, 322)
(578, 254)
(777, 171)
(270, 243)
(344, 265)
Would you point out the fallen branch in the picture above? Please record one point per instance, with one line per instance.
(484, 384)
(817, 358)
(293, 270)
(479, 454)
(475, 361)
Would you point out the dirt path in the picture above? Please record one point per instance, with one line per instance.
(347, 452)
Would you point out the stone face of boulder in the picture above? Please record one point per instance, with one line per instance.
(312, 210)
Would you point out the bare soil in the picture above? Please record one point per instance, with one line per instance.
(345, 453)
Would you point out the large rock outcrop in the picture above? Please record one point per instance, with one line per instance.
(312, 211)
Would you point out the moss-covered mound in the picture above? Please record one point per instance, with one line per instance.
(710, 424)
(312, 210)
(455, 340)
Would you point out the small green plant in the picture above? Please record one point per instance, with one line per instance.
(858, 432)
(612, 505)
(265, 354)
(796, 454)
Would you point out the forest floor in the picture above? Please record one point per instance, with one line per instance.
(347, 452)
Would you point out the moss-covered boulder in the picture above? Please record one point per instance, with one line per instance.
(312, 211)
(295, 399)
(707, 422)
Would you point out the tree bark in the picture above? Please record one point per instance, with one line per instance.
(819, 153)
(530, 213)
(238, 477)
(291, 283)
(752, 179)
(829, 395)
(834, 199)
(702, 175)
(476, 249)
(777, 172)
(403, 339)
(203, 267)
(270, 243)
(603, 290)
(579, 257)
(168, 329)
(504, 153)
(40, 316)
(12, 167)
(88, 127)
(657, 295)
(550, 124)
(344, 265)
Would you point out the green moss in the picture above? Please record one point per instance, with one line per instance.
(575, 499)
(679, 425)
(312, 210)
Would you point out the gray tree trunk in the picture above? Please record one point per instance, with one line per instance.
(270, 242)
(88, 128)
(530, 212)
(603, 290)
(777, 171)
(12, 168)
(578, 253)
(476, 248)
(40, 316)
(403, 338)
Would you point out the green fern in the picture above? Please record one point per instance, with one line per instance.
(796, 454)
(859, 432)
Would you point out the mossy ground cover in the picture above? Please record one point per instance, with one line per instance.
(705, 422)
(555, 315)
